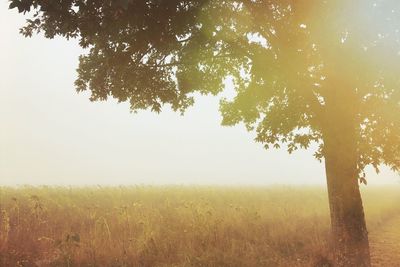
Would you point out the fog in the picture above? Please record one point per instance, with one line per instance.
(52, 135)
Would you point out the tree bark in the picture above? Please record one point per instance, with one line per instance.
(349, 231)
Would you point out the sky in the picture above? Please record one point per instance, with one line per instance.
(51, 135)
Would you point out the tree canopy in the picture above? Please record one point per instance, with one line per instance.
(300, 67)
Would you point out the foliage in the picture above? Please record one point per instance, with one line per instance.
(300, 68)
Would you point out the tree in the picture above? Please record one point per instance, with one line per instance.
(305, 72)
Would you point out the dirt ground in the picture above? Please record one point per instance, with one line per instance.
(385, 244)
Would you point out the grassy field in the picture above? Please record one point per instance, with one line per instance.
(178, 226)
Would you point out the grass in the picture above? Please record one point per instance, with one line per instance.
(174, 226)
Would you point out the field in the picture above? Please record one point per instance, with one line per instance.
(183, 226)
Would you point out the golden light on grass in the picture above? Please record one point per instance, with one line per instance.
(175, 226)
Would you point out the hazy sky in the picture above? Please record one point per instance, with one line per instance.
(49, 134)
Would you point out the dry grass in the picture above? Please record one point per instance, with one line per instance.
(173, 226)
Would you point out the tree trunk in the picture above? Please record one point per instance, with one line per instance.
(340, 130)
(349, 231)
